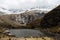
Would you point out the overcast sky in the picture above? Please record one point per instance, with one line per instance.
(17, 4)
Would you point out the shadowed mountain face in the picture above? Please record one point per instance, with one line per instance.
(51, 19)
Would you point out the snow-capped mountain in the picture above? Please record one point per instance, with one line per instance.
(4, 11)
(18, 11)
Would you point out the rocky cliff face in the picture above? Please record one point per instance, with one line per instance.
(27, 17)
(19, 20)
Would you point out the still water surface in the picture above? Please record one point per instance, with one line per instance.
(26, 32)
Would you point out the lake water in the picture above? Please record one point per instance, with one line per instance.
(25, 32)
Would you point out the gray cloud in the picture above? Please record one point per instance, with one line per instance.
(9, 4)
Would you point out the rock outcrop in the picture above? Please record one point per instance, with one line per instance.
(27, 17)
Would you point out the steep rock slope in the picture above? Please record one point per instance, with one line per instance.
(20, 20)
(52, 18)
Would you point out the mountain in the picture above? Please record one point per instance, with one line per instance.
(4, 11)
(20, 20)
(52, 18)
(50, 21)
(18, 11)
(23, 10)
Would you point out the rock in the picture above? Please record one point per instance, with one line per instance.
(26, 17)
